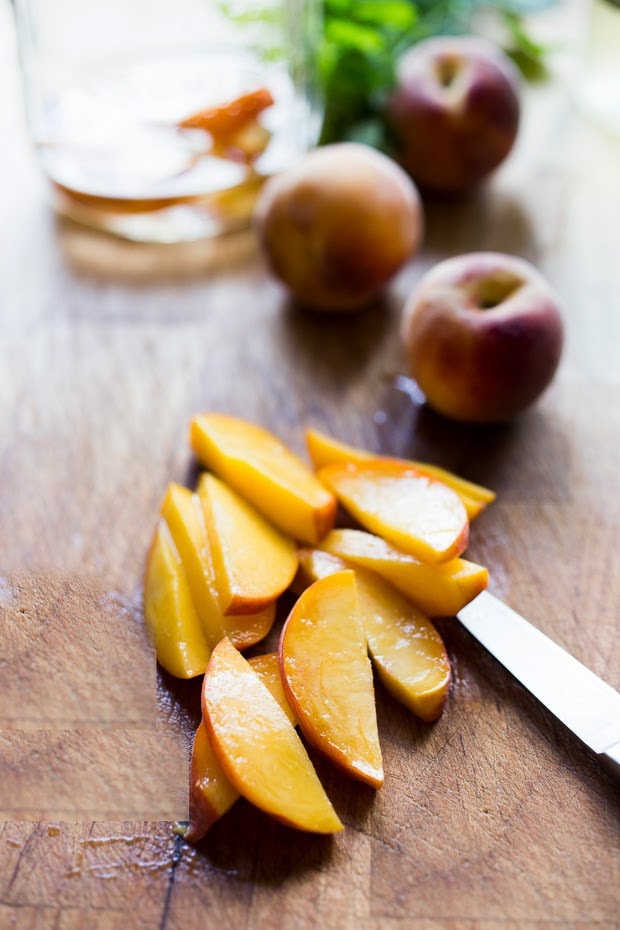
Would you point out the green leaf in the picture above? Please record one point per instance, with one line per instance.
(527, 54)
(387, 14)
(354, 35)
(363, 40)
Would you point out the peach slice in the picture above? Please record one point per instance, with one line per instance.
(253, 561)
(266, 473)
(210, 792)
(315, 564)
(180, 643)
(258, 748)
(323, 450)
(183, 513)
(233, 126)
(416, 513)
(267, 667)
(327, 676)
(437, 590)
(227, 119)
(405, 647)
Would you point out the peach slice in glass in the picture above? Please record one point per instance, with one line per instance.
(183, 513)
(257, 745)
(327, 676)
(414, 512)
(406, 649)
(437, 590)
(254, 562)
(180, 642)
(266, 473)
(210, 792)
(227, 119)
(324, 450)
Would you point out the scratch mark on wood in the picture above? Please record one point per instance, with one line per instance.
(176, 858)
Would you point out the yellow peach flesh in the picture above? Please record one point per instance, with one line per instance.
(267, 667)
(253, 561)
(328, 678)
(414, 512)
(266, 473)
(258, 747)
(210, 792)
(437, 590)
(183, 513)
(180, 643)
(405, 647)
(323, 450)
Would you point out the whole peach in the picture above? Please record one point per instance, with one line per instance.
(338, 225)
(454, 112)
(483, 336)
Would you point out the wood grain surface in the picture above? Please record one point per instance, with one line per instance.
(495, 816)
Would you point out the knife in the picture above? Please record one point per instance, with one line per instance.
(575, 695)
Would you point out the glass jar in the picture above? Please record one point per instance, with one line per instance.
(160, 121)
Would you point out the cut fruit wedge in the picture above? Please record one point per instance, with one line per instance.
(405, 647)
(267, 667)
(183, 513)
(254, 562)
(323, 450)
(437, 590)
(327, 676)
(315, 564)
(257, 745)
(210, 792)
(179, 639)
(416, 513)
(266, 473)
(229, 118)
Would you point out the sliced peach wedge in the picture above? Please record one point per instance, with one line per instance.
(324, 450)
(267, 667)
(254, 562)
(266, 473)
(179, 639)
(257, 746)
(406, 649)
(182, 511)
(210, 792)
(416, 513)
(437, 590)
(327, 676)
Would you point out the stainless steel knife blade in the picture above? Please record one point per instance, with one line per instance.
(580, 699)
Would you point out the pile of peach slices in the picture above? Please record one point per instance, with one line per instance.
(260, 522)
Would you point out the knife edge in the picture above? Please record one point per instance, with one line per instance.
(572, 692)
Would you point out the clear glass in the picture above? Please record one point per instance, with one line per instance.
(598, 90)
(158, 120)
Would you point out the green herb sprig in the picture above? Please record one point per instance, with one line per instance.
(363, 40)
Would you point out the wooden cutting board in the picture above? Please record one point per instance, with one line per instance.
(494, 817)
